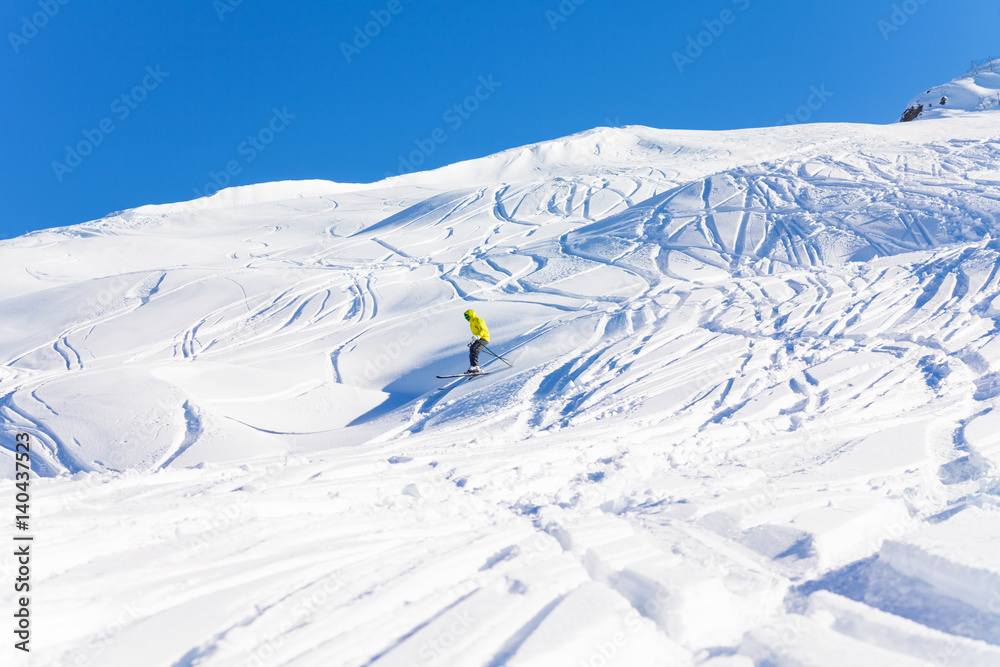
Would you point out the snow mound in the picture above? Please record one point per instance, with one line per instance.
(976, 90)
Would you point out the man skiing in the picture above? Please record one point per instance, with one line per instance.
(480, 337)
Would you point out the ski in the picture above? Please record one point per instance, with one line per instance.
(463, 375)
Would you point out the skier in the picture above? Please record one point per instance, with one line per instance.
(480, 337)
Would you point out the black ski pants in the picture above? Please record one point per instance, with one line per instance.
(474, 349)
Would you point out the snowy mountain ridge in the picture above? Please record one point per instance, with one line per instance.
(751, 417)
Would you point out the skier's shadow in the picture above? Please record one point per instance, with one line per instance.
(410, 387)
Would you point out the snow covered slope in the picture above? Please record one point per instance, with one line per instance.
(976, 90)
(751, 418)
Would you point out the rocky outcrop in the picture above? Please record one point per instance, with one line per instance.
(912, 113)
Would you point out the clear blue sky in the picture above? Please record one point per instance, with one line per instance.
(161, 95)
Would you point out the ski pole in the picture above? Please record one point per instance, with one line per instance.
(497, 356)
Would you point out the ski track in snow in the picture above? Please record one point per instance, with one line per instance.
(750, 419)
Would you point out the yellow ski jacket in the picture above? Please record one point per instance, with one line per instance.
(477, 325)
